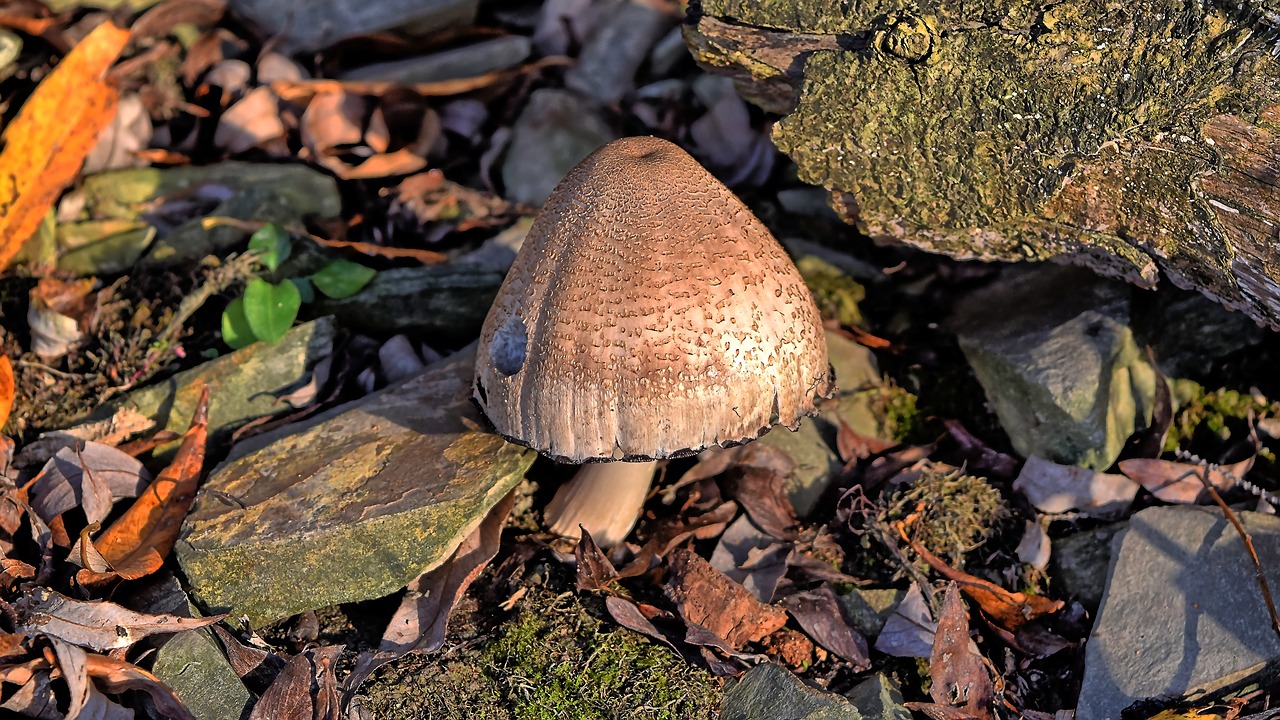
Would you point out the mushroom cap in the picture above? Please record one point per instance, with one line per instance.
(649, 314)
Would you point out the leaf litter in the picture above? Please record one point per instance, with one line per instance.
(226, 97)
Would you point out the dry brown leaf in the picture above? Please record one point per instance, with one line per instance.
(40, 157)
(958, 672)
(6, 389)
(762, 493)
(118, 676)
(426, 257)
(706, 597)
(853, 445)
(100, 625)
(253, 121)
(1176, 482)
(595, 572)
(1010, 610)
(137, 543)
(60, 314)
(255, 666)
(307, 689)
(91, 477)
(818, 612)
(633, 617)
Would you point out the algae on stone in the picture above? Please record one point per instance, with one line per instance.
(1128, 138)
(350, 506)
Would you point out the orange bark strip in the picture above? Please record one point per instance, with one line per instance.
(46, 143)
(426, 257)
(137, 543)
(6, 389)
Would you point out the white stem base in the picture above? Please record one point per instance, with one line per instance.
(605, 498)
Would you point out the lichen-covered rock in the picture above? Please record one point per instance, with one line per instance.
(350, 507)
(1053, 350)
(1128, 138)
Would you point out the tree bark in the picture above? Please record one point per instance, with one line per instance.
(1132, 138)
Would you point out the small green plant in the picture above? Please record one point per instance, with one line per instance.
(267, 309)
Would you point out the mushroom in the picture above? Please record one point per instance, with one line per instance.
(648, 315)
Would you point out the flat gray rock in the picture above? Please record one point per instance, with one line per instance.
(351, 507)
(462, 62)
(606, 69)
(243, 385)
(1078, 564)
(1053, 350)
(556, 129)
(1183, 614)
(193, 666)
(878, 698)
(323, 22)
(771, 692)
(810, 446)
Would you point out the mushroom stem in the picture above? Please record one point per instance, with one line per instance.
(605, 498)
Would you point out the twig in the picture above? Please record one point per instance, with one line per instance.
(52, 371)
(1248, 544)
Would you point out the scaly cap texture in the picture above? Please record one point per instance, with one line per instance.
(649, 314)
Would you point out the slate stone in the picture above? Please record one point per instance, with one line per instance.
(770, 692)
(879, 698)
(243, 385)
(869, 608)
(811, 446)
(556, 129)
(193, 666)
(323, 22)
(466, 61)
(446, 302)
(1053, 350)
(350, 507)
(1078, 564)
(606, 68)
(1183, 615)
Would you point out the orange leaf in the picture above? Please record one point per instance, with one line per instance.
(1010, 610)
(137, 543)
(6, 389)
(47, 141)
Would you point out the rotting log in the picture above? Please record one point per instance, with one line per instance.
(1132, 138)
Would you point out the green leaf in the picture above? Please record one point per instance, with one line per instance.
(342, 278)
(271, 309)
(273, 245)
(235, 326)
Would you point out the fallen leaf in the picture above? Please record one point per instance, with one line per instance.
(91, 477)
(629, 615)
(852, 445)
(958, 672)
(748, 556)
(98, 624)
(1034, 548)
(762, 493)
(85, 698)
(137, 543)
(670, 532)
(940, 712)
(818, 612)
(35, 696)
(253, 121)
(910, 629)
(118, 676)
(980, 457)
(124, 423)
(40, 157)
(6, 389)
(1055, 488)
(420, 622)
(1176, 482)
(426, 257)
(60, 314)
(705, 596)
(595, 572)
(257, 667)
(1010, 610)
(164, 17)
(307, 689)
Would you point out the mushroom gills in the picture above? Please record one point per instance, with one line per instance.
(605, 498)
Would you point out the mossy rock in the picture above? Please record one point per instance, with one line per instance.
(1128, 138)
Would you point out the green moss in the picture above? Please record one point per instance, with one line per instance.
(1219, 413)
(552, 660)
(954, 512)
(836, 294)
(899, 415)
(570, 665)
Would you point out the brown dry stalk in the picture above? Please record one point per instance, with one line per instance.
(1248, 544)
